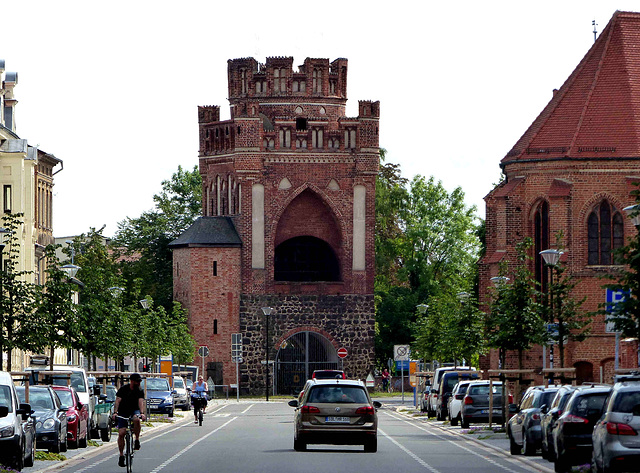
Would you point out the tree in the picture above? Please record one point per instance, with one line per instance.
(17, 294)
(145, 239)
(514, 322)
(54, 323)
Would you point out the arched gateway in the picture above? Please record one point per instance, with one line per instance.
(299, 356)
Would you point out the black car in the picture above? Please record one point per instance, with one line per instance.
(447, 383)
(549, 418)
(475, 406)
(572, 433)
(51, 417)
(523, 428)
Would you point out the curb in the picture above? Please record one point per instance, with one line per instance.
(523, 460)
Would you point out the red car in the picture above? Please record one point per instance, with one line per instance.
(77, 416)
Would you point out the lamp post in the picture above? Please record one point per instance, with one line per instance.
(633, 212)
(499, 282)
(267, 312)
(115, 292)
(551, 258)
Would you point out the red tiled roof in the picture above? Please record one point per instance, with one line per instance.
(596, 112)
(505, 188)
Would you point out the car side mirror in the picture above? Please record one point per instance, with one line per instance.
(96, 390)
(513, 408)
(377, 404)
(544, 409)
(4, 411)
(25, 411)
(293, 403)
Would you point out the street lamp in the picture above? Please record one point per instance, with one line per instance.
(422, 308)
(633, 212)
(267, 312)
(115, 292)
(551, 259)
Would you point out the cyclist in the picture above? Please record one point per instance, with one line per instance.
(200, 389)
(129, 402)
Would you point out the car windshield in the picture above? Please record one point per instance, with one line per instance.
(451, 382)
(628, 403)
(178, 383)
(338, 394)
(77, 382)
(483, 389)
(545, 399)
(156, 384)
(5, 397)
(38, 398)
(66, 398)
(589, 405)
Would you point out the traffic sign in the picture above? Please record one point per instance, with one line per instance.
(342, 352)
(401, 352)
(612, 299)
(203, 351)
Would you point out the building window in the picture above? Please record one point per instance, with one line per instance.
(301, 123)
(305, 258)
(605, 229)
(6, 194)
(317, 80)
(541, 242)
(243, 81)
(317, 138)
(215, 326)
(285, 138)
(215, 268)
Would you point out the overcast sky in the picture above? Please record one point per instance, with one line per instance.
(112, 88)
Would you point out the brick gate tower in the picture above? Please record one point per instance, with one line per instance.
(288, 205)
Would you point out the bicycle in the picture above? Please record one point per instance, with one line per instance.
(198, 399)
(128, 443)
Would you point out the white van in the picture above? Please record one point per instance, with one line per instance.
(432, 398)
(78, 381)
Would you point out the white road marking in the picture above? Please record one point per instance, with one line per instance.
(189, 447)
(410, 453)
(250, 406)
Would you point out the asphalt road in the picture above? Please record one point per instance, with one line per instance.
(258, 437)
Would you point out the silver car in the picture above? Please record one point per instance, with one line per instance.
(181, 397)
(616, 439)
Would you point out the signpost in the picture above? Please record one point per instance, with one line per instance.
(236, 357)
(402, 353)
(612, 299)
(342, 354)
(203, 351)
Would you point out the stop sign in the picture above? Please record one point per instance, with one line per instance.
(342, 352)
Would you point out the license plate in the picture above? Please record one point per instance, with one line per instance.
(337, 420)
(486, 411)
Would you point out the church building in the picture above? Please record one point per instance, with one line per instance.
(288, 226)
(573, 172)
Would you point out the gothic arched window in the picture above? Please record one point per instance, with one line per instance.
(605, 229)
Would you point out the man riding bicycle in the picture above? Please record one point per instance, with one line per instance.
(129, 402)
(200, 397)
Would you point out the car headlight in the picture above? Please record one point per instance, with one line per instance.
(71, 418)
(48, 424)
(7, 431)
(168, 399)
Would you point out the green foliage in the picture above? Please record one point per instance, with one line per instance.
(426, 246)
(144, 240)
(515, 321)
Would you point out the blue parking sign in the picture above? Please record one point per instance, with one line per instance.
(613, 298)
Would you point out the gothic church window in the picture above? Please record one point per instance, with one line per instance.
(605, 229)
(317, 140)
(541, 242)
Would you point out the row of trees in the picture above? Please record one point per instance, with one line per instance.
(108, 321)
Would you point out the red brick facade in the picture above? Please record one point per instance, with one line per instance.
(581, 151)
(288, 165)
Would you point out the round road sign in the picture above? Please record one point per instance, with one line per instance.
(342, 352)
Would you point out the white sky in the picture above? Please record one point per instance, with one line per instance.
(112, 88)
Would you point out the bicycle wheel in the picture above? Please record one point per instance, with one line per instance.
(128, 452)
(200, 416)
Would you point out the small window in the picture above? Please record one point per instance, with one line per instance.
(215, 326)
(7, 199)
(301, 123)
(215, 268)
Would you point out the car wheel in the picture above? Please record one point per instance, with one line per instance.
(170, 414)
(82, 442)
(105, 434)
(464, 423)
(73, 444)
(454, 421)
(514, 448)
(63, 445)
(594, 464)
(30, 460)
(56, 445)
(371, 445)
(299, 445)
(528, 446)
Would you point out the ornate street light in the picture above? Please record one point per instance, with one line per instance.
(633, 212)
(551, 258)
(267, 312)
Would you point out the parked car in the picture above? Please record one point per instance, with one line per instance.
(77, 416)
(549, 418)
(51, 417)
(616, 439)
(447, 383)
(328, 374)
(17, 427)
(455, 401)
(182, 398)
(475, 405)
(336, 412)
(523, 429)
(159, 396)
(572, 432)
(103, 411)
(429, 403)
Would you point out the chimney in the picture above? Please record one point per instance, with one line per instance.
(9, 82)
(555, 91)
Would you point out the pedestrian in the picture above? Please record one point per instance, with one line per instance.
(385, 380)
(129, 402)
